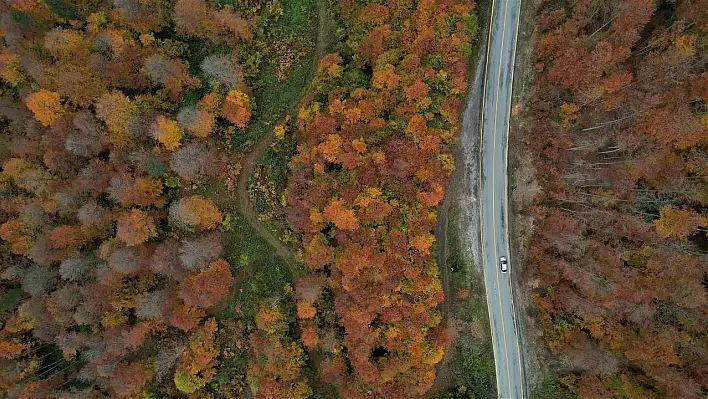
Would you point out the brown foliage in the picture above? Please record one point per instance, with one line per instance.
(209, 286)
(305, 310)
(678, 222)
(94, 127)
(129, 379)
(135, 227)
(620, 215)
(309, 337)
(196, 211)
(66, 236)
(183, 316)
(342, 217)
(17, 234)
(200, 353)
(275, 361)
(371, 167)
(193, 17)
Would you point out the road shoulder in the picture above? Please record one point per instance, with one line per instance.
(522, 190)
(466, 365)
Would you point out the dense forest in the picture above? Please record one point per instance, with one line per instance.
(371, 165)
(126, 269)
(121, 124)
(618, 131)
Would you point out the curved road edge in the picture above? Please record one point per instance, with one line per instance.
(493, 184)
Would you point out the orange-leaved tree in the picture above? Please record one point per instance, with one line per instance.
(196, 211)
(237, 108)
(209, 286)
(167, 131)
(45, 105)
(196, 362)
(678, 222)
(340, 215)
(135, 227)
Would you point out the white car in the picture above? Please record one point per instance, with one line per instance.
(504, 264)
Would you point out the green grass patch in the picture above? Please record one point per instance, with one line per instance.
(552, 388)
(262, 274)
(291, 38)
(476, 372)
(295, 31)
(463, 274)
(297, 18)
(473, 356)
(269, 183)
(266, 273)
(273, 98)
(10, 299)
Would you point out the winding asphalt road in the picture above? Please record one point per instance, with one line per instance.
(496, 109)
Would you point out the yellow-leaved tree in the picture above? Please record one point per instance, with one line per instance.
(45, 105)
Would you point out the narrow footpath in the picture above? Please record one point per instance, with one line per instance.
(324, 24)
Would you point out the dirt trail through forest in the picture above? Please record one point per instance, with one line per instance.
(324, 25)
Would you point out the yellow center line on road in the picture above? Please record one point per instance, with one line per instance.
(494, 225)
(506, 204)
(479, 183)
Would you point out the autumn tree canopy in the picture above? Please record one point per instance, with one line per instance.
(126, 126)
(616, 264)
(371, 164)
(109, 163)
